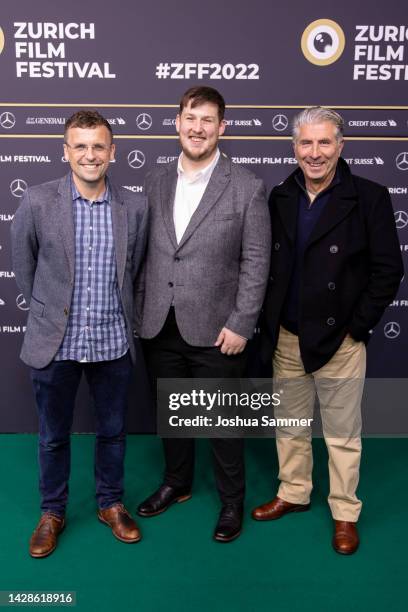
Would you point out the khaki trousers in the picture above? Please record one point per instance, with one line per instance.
(339, 388)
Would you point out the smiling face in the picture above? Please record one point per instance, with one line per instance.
(317, 151)
(89, 151)
(199, 129)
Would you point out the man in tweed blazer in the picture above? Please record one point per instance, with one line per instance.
(77, 245)
(205, 275)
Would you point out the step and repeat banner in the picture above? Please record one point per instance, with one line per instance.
(133, 61)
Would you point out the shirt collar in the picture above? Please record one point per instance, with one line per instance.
(104, 197)
(203, 174)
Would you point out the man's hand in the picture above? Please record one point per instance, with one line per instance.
(230, 343)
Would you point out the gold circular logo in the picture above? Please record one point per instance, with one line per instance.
(323, 42)
(1, 40)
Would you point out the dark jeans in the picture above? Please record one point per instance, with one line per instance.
(169, 356)
(55, 389)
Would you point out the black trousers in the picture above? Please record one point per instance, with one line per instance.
(169, 356)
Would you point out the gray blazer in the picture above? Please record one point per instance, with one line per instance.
(216, 276)
(43, 251)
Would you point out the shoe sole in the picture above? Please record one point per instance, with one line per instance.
(275, 518)
(342, 552)
(178, 500)
(226, 540)
(42, 555)
(118, 537)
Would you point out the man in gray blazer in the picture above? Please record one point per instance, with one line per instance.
(77, 245)
(204, 280)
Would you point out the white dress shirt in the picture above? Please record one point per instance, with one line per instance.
(189, 191)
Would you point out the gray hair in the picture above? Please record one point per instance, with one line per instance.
(318, 114)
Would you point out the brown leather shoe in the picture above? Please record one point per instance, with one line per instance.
(119, 520)
(44, 539)
(277, 508)
(345, 538)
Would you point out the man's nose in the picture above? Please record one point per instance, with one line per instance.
(315, 150)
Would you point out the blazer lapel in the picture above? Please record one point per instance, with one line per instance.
(120, 233)
(66, 221)
(168, 186)
(220, 178)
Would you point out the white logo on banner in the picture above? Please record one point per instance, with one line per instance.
(7, 120)
(280, 123)
(392, 330)
(21, 303)
(18, 187)
(402, 161)
(136, 159)
(144, 121)
(2, 302)
(401, 219)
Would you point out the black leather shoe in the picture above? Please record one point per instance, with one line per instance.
(161, 499)
(229, 524)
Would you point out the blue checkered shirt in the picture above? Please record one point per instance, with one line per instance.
(96, 328)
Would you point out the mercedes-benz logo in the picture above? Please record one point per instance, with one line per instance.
(7, 120)
(280, 123)
(21, 303)
(401, 219)
(392, 330)
(18, 187)
(136, 159)
(402, 160)
(144, 121)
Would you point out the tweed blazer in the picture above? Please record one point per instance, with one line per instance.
(216, 275)
(43, 251)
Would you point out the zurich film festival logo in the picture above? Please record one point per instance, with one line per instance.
(323, 42)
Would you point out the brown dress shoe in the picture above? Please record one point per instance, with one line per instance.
(277, 508)
(119, 520)
(345, 538)
(44, 539)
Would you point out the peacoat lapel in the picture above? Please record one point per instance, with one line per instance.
(286, 198)
(342, 200)
(66, 221)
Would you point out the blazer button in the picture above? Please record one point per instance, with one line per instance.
(277, 246)
(331, 286)
(177, 259)
(334, 248)
(171, 284)
(271, 279)
(66, 311)
(331, 321)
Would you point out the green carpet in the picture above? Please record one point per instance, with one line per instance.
(285, 565)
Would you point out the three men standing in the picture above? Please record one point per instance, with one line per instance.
(336, 264)
(77, 244)
(205, 275)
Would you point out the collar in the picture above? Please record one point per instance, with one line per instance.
(104, 197)
(203, 174)
(300, 179)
